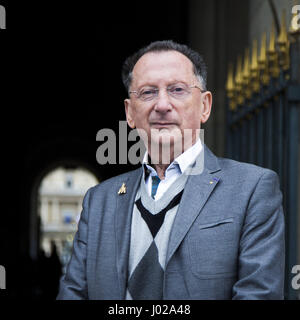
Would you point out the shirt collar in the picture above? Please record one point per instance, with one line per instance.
(182, 162)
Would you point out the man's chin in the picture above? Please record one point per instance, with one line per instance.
(167, 140)
(164, 136)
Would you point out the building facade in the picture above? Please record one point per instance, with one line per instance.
(60, 203)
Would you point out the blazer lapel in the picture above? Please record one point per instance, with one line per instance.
(197, 190)
(125, 202)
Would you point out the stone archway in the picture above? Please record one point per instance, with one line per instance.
(60, 198)
(35, 221)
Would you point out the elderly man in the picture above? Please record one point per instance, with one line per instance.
(166, 231)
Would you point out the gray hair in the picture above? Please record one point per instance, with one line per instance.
(199, 66)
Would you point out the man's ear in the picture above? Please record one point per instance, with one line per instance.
(128, 112)
(206, 106)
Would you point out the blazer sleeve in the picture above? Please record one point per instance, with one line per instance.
(262, 248)
(73, 284)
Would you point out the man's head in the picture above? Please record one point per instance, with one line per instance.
(166, 83)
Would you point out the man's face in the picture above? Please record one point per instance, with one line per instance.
(168, 115)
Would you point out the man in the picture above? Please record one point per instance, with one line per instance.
(169, 230)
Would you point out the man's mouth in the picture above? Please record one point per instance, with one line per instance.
(161, 125)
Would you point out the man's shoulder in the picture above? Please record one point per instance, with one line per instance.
(230, 166)
(234, 168)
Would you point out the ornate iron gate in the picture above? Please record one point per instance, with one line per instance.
(263, 121)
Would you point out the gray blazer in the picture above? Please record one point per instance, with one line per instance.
(227, 240)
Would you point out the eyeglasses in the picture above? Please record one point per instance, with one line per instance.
(177, 91)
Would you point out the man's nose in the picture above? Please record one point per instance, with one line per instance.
(163, 103)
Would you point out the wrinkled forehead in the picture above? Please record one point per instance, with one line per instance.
(161, 67)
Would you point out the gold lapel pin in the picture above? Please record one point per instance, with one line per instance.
(215, 179)
(122, 190)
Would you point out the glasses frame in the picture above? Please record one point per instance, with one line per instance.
(137, 92)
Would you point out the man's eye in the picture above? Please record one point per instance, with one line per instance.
(147, 92)
(177, 90)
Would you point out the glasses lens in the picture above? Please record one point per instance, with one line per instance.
(147, 94)
(178, 90)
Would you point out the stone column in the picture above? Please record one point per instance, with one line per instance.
(56, 216)
(44, 211)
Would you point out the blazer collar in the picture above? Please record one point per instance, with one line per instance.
(211, 162)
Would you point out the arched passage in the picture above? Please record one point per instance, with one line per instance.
(60, 197)
(52, 183)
